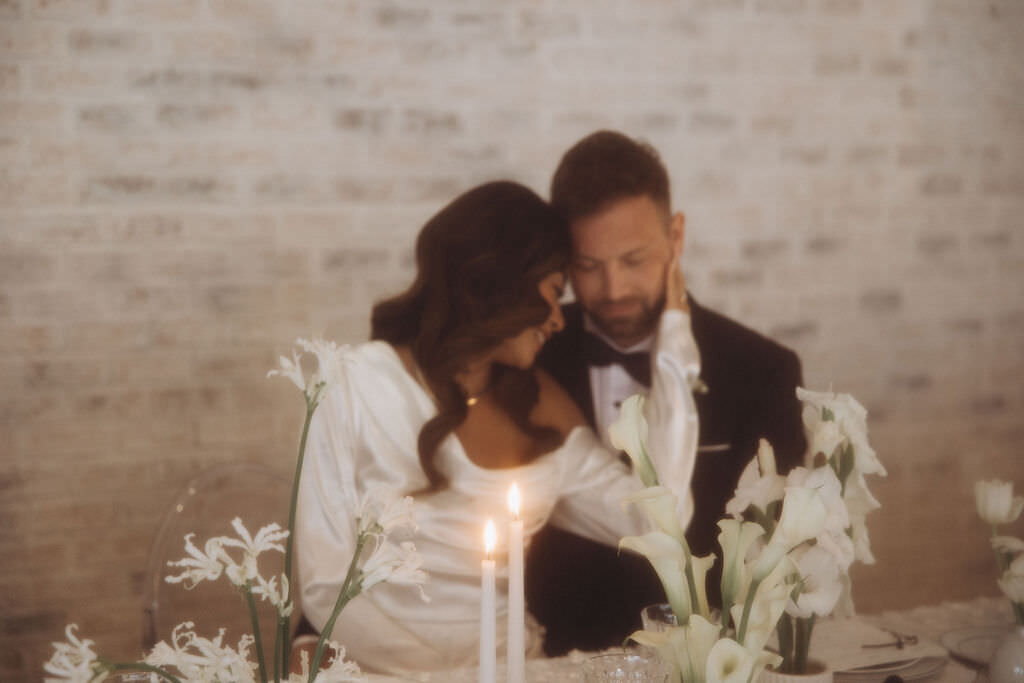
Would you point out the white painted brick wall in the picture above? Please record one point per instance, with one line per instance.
(188, 185)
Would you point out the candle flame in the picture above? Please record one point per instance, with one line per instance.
(490, 537)
(513, 500)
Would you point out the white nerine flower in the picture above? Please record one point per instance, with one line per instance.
(267, 538)
(629, 433)
(996, 503)
(339, 671)
(328, 365)
(202, 659)
(200, 566)
(398, 564)
(267, 590)
(382, 511)
(72, 661)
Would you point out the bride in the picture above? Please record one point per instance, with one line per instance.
(445, 404)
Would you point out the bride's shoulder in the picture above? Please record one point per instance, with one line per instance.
(555, 407)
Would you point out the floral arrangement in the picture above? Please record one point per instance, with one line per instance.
(835, 486)
(188, 656)
(785, 548)
(998, 507)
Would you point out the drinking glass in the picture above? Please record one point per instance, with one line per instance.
(658, 617)
(632, 667)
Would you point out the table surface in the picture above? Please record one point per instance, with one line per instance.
(928, 622)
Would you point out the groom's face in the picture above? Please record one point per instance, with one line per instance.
(621, 257)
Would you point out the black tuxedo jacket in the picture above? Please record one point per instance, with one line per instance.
(587, 595)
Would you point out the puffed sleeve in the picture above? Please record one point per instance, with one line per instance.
(595, 481)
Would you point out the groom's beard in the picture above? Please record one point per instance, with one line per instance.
(626, 329)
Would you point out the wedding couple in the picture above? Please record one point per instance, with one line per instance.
(477, 377)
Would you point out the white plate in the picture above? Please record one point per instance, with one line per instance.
(908, 670)
(975, 644)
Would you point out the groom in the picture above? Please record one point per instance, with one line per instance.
(614, 192)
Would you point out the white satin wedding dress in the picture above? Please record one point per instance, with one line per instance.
(365, 433)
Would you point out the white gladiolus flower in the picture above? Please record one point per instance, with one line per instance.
(669, 562)
(759, 484)
(834, 536)
(398, 564)
(73, 661)
(629, 433)
(767, 606)
(660, 506)
(851, 418)
(729, 662)
(819, 574)
(996, 503)
(803, 518)
(202, 659)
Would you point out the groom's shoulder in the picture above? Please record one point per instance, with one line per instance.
(719, 336)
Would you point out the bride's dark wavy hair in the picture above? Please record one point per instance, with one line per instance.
(479, 261)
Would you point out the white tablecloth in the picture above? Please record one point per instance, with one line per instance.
(928, 623)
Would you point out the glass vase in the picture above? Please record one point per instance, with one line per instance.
(1007, 663)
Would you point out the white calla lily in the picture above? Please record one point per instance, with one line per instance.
(660, 506)
(629, 433)
(729, 662)
(669, 561)
(736, 539)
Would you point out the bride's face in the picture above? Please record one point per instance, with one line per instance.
(521, 350)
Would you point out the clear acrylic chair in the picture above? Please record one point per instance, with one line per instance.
(255, 493)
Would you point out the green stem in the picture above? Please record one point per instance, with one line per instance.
(283, 645)
(141, 666)
(349, 590)
(247, 589)
(741, 633)
(804, 628)
(785, 629)
(311, 404)
(1018, 612)
(281, 640)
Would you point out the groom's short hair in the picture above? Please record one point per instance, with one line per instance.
(603, 168)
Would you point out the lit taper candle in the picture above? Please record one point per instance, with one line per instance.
(488, 617)
(516, 601)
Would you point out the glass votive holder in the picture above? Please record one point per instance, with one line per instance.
(658, 617)
(640, 666)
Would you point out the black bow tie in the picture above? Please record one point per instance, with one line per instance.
(596, 351)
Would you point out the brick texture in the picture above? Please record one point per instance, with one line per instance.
(188, 185)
